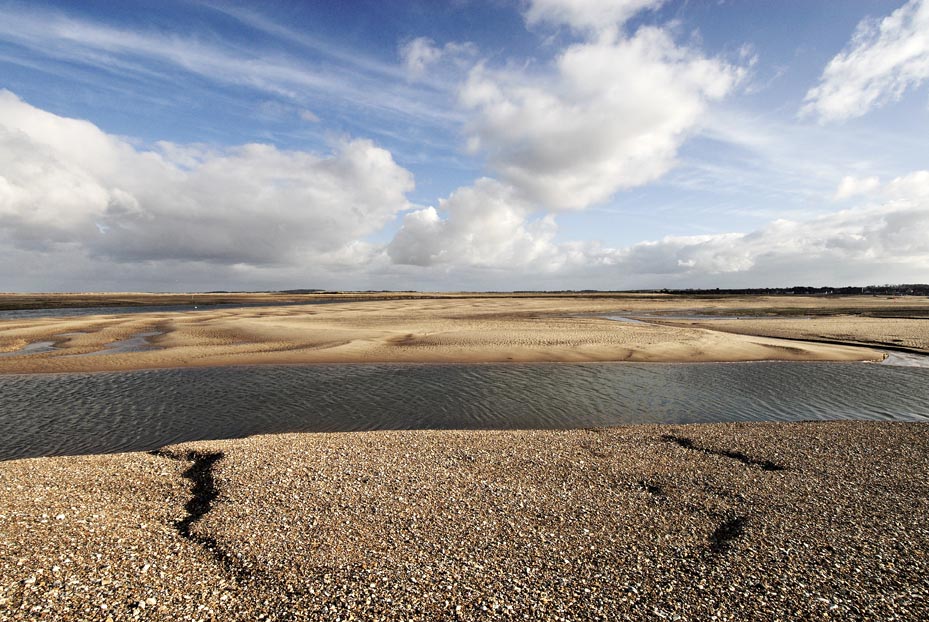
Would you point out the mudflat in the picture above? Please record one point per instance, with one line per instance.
(749, 521)
(468, 328)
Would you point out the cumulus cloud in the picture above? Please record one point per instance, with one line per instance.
(80, 208)
(488, 226)
(884, 58)
(852, 186)
(608, 115)
(66, 183)
(913, 187)
(483, 225)
(889, 234)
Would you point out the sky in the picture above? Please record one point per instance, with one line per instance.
(183, 145)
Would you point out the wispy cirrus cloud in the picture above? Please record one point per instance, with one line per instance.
(380, 89)
(883, 60)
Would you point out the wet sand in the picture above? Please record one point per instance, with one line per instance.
(906, 334)
(464, 329)
(751, 521)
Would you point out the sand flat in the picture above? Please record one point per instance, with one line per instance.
(441, 329)
(747, 521)
(906, 333)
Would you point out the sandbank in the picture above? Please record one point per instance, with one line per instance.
(897, 333)
(451, 328)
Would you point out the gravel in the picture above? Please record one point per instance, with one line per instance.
(724, 521)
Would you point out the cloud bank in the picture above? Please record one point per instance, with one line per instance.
(64, 182)
(84, 207)
(882, 236)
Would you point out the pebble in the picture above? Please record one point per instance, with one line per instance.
(613, 524)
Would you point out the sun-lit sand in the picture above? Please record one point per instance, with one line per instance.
(903, 333)
(458, 328)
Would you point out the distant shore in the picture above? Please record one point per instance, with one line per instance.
(739, 521)
(470, 329)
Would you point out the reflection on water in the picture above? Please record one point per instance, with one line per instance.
(20, 314)
(103, 412)
(643, 318)
(624, 319)
(36, 347)
(904, 359)
(137, 343)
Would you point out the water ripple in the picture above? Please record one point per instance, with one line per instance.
(106, 412)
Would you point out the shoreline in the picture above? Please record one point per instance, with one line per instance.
(451, 363)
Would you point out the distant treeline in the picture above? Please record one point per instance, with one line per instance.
(906, 289)
(917, 289)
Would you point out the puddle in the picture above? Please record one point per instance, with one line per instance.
(627, 320)
(36, 347)
(137, 343)
(695, 317)
(904, 359)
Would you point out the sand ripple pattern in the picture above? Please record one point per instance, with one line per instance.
(62, 414)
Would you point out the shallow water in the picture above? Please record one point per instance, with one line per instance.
(20, 314)
(57, 414)
(36, 347)
(904, 359)
(136, 343)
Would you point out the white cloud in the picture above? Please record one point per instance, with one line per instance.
(418, 54)
(64, 182)
(602, 17)
(882, 61)
(886, 237)
(853, 186)
(484, 225)
(422, 54)
(342, 80)
(912, 187)
(83, 209)
(610, 115)
(489, 227)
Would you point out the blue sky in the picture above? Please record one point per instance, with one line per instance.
(551, 144)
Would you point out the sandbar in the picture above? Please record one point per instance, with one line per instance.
(469, 329)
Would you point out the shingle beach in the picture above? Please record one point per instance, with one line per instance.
(732, 521)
